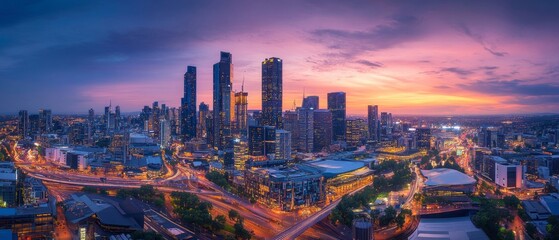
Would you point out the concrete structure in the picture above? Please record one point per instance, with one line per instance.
(447, 182)
(283, 145)
(286, 188)
(362, 229)
(508, 175)
(30, 222)
(447, 228)
(343, 176)
(8, 184)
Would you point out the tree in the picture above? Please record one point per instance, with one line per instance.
(531, 229)
(388, 217)
(233, 215)
(553, 227)
(219, 223)
(240, 231)
(511, 202)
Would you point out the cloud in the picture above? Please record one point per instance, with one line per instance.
(457, 71)
(369, 63)
(481, 40)
(513, 87)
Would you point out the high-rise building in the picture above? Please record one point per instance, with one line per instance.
(272, 92)
(90, 125)
(305, 128)
(373, 122)
(337, 105)
(240, 151)
(354, 128)
(201, 127)
(165, 136)
(423, 138)
(311, 102)
(291, 124)
(322, 129)
(188, 104)
(222, 101)
(154, 120)
(23, 124)
(283, 145)
(45, 120)
(117, 118)
(120, 147)
(261, 140)
(385, 123)
(241, 111)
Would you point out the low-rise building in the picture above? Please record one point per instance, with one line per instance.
(30, 222)
(286, 188)
(508, 175)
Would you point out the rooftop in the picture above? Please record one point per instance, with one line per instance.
(331, 168)
(447, 228)
(446, 177)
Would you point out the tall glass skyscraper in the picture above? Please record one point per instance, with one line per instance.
(188, 105)
(222, 101)
(241, 112)
(337, 105)
(373, 122)
(272, 92)
(311, 102)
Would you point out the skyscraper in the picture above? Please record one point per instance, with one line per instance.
(305, 128)
(272, 92)
(322, 129)
(354, 129)
(283, 145)
(23, 124)
(311, 102)
(372, 121)
(45, 120)
(188, 105)
(165, 136)
(117, 118)
(203, 111)
(222, 101)
(337, 105)
(241, 111)
(90, 125)
(423, 138)
(261, 140)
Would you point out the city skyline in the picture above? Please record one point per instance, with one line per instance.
(435, 59)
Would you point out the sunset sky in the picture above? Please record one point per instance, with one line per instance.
(408, 57)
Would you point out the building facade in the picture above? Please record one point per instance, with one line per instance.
(272, 92)
(222, 101)
(337, 105)
(188, 104)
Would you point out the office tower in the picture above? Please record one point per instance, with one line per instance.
(423, 138)
(373, 123)
(90, 125)
(305, 128)
(163, 112)
(201, 128)
(311, 102)
(337, 105)
(241, 111)
(119, 147)
(174, 117)
(240, 151)
(283, 145)
(165, 136)
(322, 129)
(272, 92)
(261, 140)
(222, 101)
(354, 129)
(34, 124)
(8, 184)
(290, 123)
(188, 105)
(385, 124)
(23, 124)
(154, 120)
(45, 120)
(118, 121)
